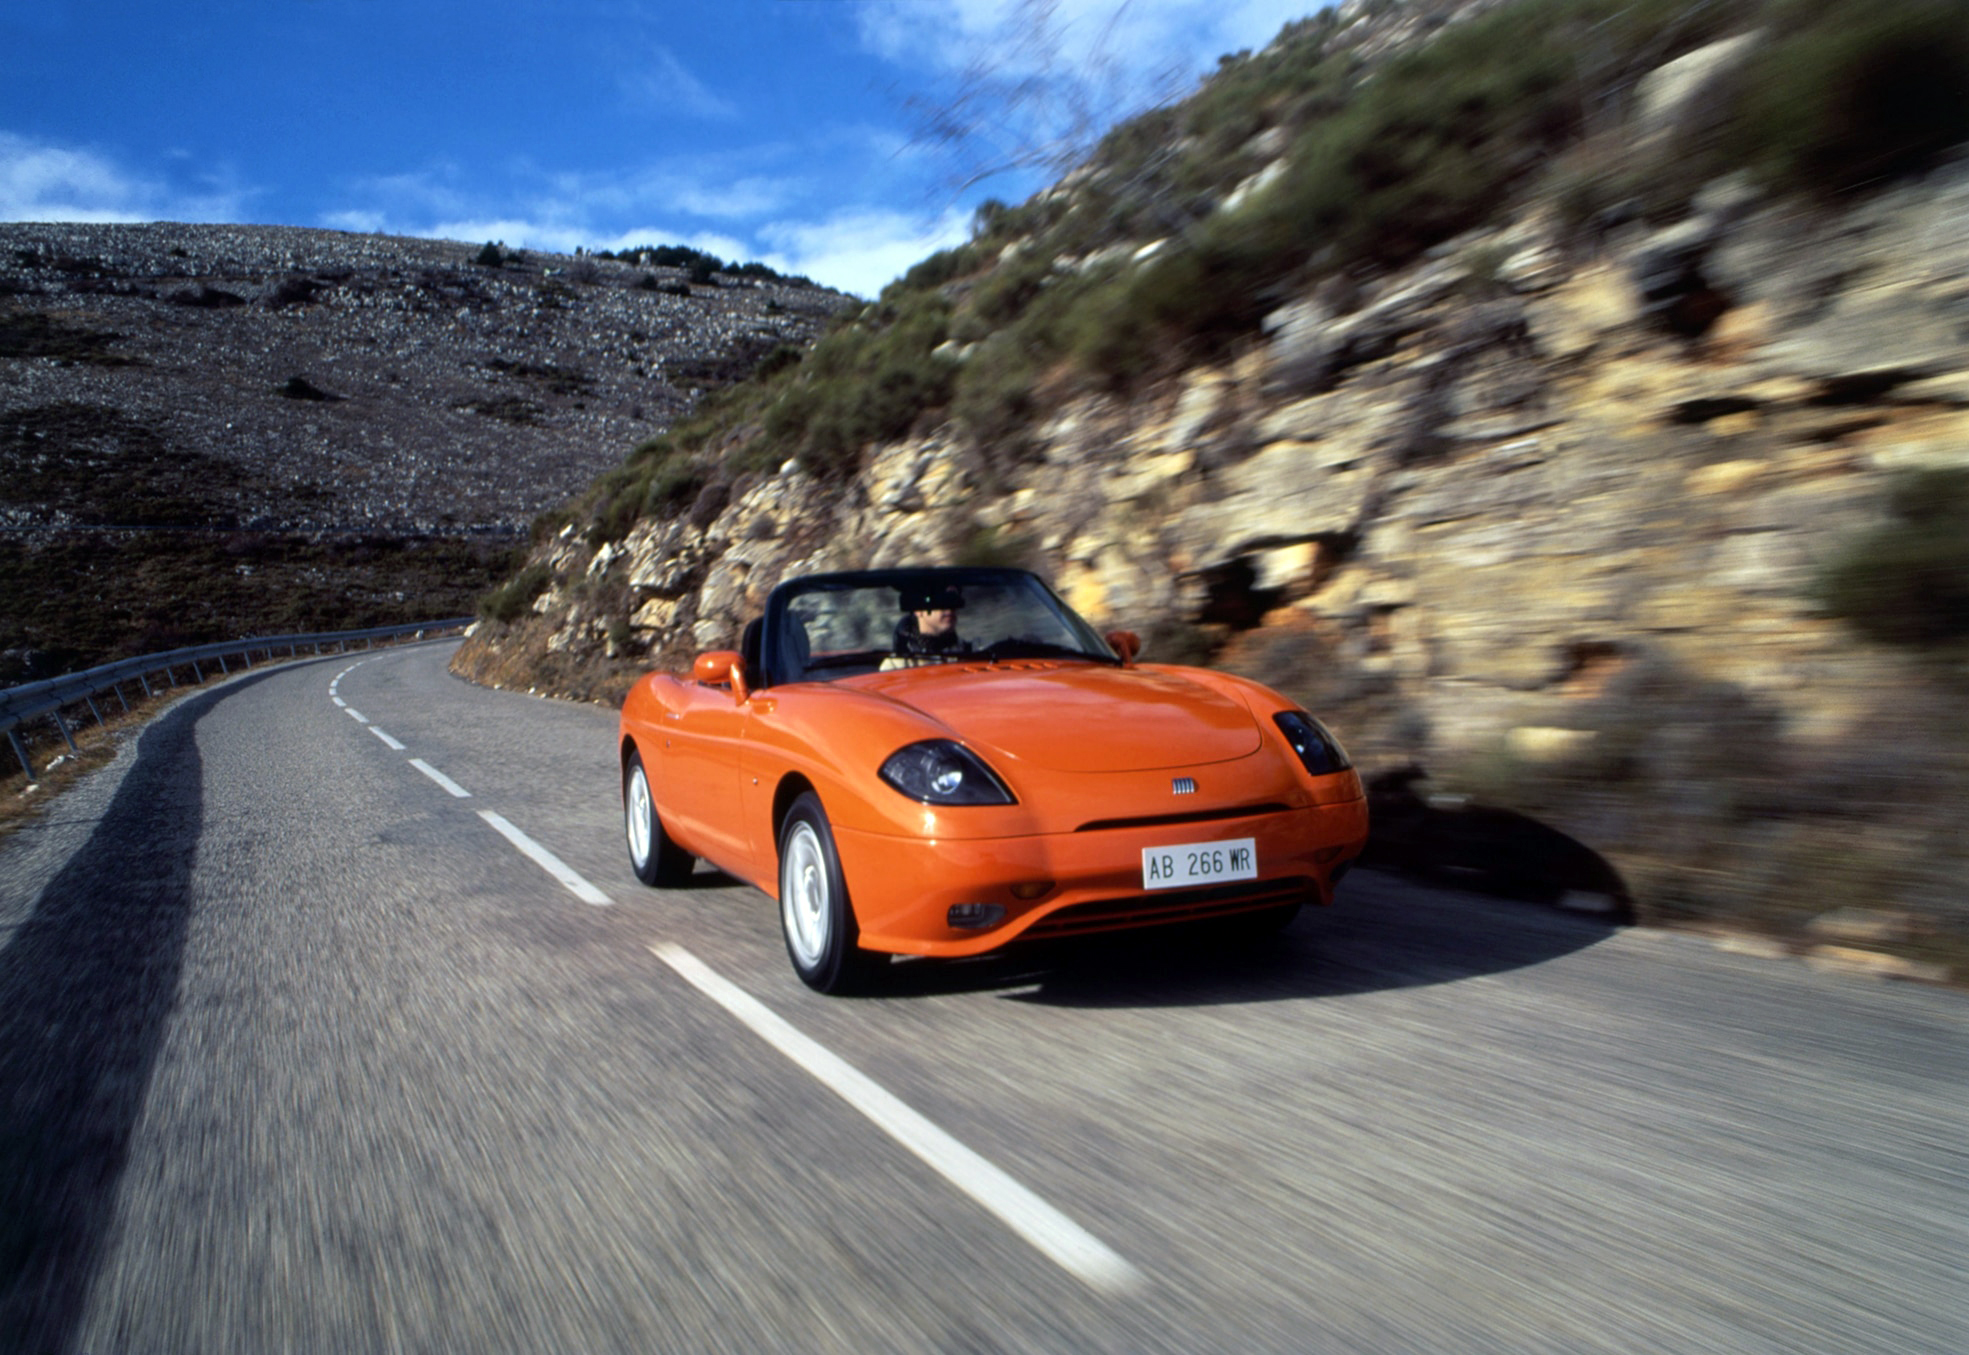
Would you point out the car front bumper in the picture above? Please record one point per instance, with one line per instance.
(903, 888)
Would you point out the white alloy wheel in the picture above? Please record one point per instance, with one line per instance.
(805, 905)
(638, 818)
(815, 912)
(653, 854)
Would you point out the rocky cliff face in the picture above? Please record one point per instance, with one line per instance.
(1621, 535)
(1506, 515)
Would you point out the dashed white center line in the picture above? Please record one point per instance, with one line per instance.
(355, 715)
(546, 860)
(1053, 1233)
(440, 778)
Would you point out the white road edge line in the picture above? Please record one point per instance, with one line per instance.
(388, 742)
(355, 715)
(545, 859)
(1053, 1233)
(440, 778)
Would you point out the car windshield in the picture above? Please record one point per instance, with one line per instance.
(827, 627)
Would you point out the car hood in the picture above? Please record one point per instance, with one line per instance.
(1076, 717)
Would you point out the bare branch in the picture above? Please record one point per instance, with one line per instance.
(1030, 102)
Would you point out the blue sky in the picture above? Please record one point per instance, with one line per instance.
(779, 130)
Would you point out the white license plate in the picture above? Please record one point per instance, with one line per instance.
(1199, 863)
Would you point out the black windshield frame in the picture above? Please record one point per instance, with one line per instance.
(777, 666)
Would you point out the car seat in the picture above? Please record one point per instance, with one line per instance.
(790, 663)
(748, 649)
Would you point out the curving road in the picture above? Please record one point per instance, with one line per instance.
(301, 1051)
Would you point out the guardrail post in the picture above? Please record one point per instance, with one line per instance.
(100, 722)
(246, 657)
(198, 672)
(118, 689)
(20, 751)
(62, 725)
(144, 682)
(222, 666)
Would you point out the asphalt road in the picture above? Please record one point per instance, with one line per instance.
(299, 1053)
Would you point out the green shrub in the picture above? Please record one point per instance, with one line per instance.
(997, 548)
(1381, 169)
(547, 525)
(673, 483)
(992, 218)
(994, 401)
(1003, 294)
(780, 358)
(1907, 583)
(657, 478)
(867, 381)
(491, 256)
(1848, 92)
(510, 600)
(938, 269)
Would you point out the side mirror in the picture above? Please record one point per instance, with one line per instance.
(718, 667)
(1125, 643)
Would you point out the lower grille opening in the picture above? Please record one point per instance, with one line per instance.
(1169, 907)
(1191, 816)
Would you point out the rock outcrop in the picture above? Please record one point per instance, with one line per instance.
(1491, 515)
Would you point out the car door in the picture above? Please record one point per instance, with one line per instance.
(702, 737)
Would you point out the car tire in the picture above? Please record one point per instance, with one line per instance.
(653, 854)
(815, 914)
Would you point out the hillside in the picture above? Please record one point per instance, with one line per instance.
(214, 430)
(1570, 400)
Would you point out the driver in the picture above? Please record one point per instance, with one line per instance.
(927, 632)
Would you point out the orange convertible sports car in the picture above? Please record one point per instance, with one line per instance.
(941, 761)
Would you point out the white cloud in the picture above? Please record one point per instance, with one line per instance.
(740, 198)
(579, 208)
(662, 82)
(362, 222)
(41, 181)
(860, 250)
(433, 189)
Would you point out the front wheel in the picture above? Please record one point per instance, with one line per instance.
(814, 911)
(653, 854)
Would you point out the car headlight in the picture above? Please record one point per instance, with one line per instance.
(1313, 742)
(940, 772)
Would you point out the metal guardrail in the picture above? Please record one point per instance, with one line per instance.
(32, 700)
